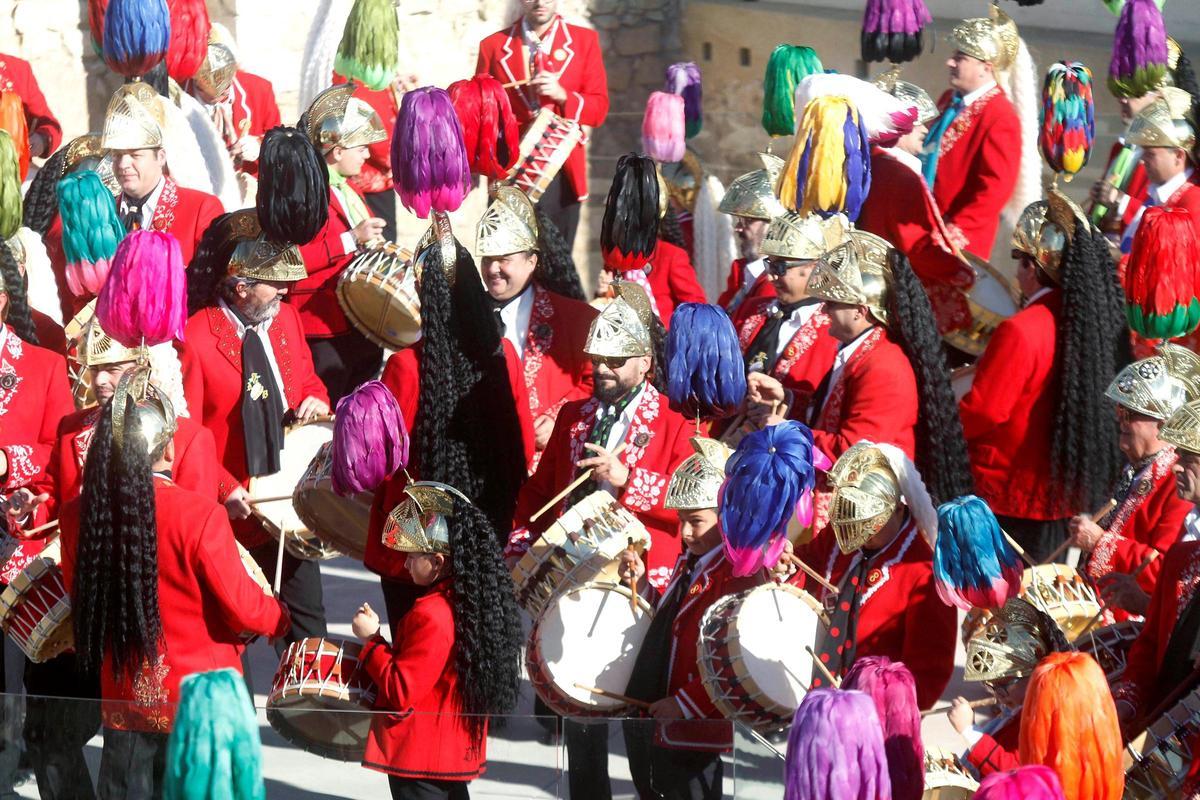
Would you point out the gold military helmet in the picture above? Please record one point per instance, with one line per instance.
(1183, 428)
(1166, 122)
(438, 237)
(866, 493)
(217, 71)
(910, 93)
(1044, 230)
(97, 348)
(1010, 645)
(752, 195)
(153, 421)
(622, 330)
(855, 273)
(509, 225)
(418, 524)
(1159, 385)
(134, 119)
(796, 238)
(697, 480)
(257, 258)
(682, 180)
(337, 118)
(993, 38)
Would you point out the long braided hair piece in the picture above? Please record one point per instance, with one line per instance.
(18, 314)
(41, 201)
(114, 602)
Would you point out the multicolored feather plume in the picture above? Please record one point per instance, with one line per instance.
(683, 79)
(189, 38)
(370, 439)
(706, 375)
(91, 231)
(1162, 275)
(769, 480)
(886, 117)
(893, 30)
(829, 168)
(663, 126)
(430, 167)
(1068, 117)
(137, 34)
(787, 66)
(973, 564)
(835, 749)
(12, 121)
(144, 299)
(490, 131)
(1139, 51)
(370, 48)
(892, 688)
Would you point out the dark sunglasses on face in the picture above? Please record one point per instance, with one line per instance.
(778, 267)
(612, 362)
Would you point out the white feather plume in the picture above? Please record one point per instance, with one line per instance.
(213, 152)
(167, 373)
(1020, 83)
(713, 245)
(320, 49)
(912, 487)
(885, 116)
(41, 289)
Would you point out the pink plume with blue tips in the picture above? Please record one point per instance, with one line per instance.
(973, 563)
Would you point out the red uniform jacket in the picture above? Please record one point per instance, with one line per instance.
(708, 585)
(423, 735)
(672, 280)
(1145, 524)
(657, 440)
(573, 54)
(998, 753)
(806, 357)
(212, 384)
(902, 210)
(1176, 584)
(875, 398)
(1008, 415)
(206, 598)
(325, 257)
(183, 213)
(899, 614)
(16, 76)
(34, 396)
(254, 107)
(762, 287)
(50, 334)
(977, 168)
(402, 374)
(376, 175)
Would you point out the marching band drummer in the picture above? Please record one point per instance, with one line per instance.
(157, 587)
(450, 666)
(880, 559)
(683, 760)
(341, 127)
(245, 372)
(1148, 514)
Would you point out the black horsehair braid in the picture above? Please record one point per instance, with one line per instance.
(630, 222)
(1092, 346)
(41, 201)
(18, 314)
(658, 347)
(465, 395)
(487, 627)
(209, 263)
(114, 602)
(669, 229)
(941, 448)
(556, 268)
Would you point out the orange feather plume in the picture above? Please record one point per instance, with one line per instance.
(12, 119)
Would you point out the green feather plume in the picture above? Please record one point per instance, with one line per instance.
(92, 228)
(214, 750)
(788, 65)
(370, 46)
(10, 188)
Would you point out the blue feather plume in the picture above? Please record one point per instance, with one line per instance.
(769, 475)
(973, 564)
(706, 376)
(137, 34)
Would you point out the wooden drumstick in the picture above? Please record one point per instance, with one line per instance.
(623, 698)
(834, 682)
(26, 534)
(1095, 517)
(810, 572)
(258, 501)
(279, 563)
(572, 486)
(633, 589)
(1147, 561)
(981, 703)
(1020, 550)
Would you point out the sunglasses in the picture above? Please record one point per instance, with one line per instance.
(778, 267)
(612, 362)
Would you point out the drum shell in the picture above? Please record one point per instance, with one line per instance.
(947, 778)
(991, 300)
(1164, 753)
(378, 292)
(340, 523)
(280, 518)
(1059, 590)
(35, 609)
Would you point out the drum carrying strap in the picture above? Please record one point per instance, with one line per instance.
(649, 680)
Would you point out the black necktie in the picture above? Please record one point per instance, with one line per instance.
(497, 307)
(262, 404)
(132, 218)
(649, 679)
(599, 436)
(837, 649)
(763, 352)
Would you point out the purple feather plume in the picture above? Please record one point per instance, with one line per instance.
(835, 749)
(768, 478)
(892, 688)
(1139, 52)
(892, 30)
(858, 166)
(706, 374)
(430, 166)
(683, 79)
(1033, 782)
(144, 298)
(370, 440)
(973, 564)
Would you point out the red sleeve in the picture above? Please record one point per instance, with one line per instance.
(685, 288)
(218, 565)
(588, 105)
(882, 402)
(930, 631)
(1004, 371)
(193, 379)
(38, 116)
(27, 463)
(68, 525)
(409, 671)
(402, 377)
(1116, 553)
(646, 491)
(326, 253)
(311, 384)
(1141, 668)
(988, 756)
(996, 167)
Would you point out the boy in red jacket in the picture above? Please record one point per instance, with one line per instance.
(449, 668)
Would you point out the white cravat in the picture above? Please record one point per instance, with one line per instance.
(972, 96)
(515, 316)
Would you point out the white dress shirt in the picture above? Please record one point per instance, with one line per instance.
(617, 435)
(515, 316)
(264, 334)
(1033, 298)
(147, 207)
(1191, 526)
(972, 96)
(751, 271)
(793, 324)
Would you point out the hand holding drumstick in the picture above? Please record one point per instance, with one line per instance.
(365, 623)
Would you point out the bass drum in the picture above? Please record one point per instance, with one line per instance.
(991, 300)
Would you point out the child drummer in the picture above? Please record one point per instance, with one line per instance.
(456, 655)
(683, 759)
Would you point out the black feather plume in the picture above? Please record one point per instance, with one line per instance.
(293, 187)
(629, 232)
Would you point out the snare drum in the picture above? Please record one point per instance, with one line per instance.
(991, 300)
(544, 149)
(589, 636)
(317, 683)
(378, 292)
(1110, 646)
(35, 609)
(1056, 589)
(339, 522)
(580, 547)
(301, 444)
(946, 777)
(752, 656)
(1163, 755)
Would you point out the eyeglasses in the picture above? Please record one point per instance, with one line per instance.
(778, 267)
(1001, 684)
(612, 362)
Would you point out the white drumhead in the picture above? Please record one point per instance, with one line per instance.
(301, 444)
(992, 294)
(590, 635)
(774, 625)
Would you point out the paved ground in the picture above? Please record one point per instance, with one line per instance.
(521, 762)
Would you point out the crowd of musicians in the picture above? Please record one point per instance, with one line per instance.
(811, 382)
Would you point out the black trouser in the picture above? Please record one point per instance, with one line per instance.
(61, 715)
(587, 760)
(383, 205)
(132, 765)
(667, 773)
(344, 362)
(560, 204)
(413, 789)
(1039, 538)
(300, 591)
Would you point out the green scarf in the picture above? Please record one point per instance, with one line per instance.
(355, 207)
